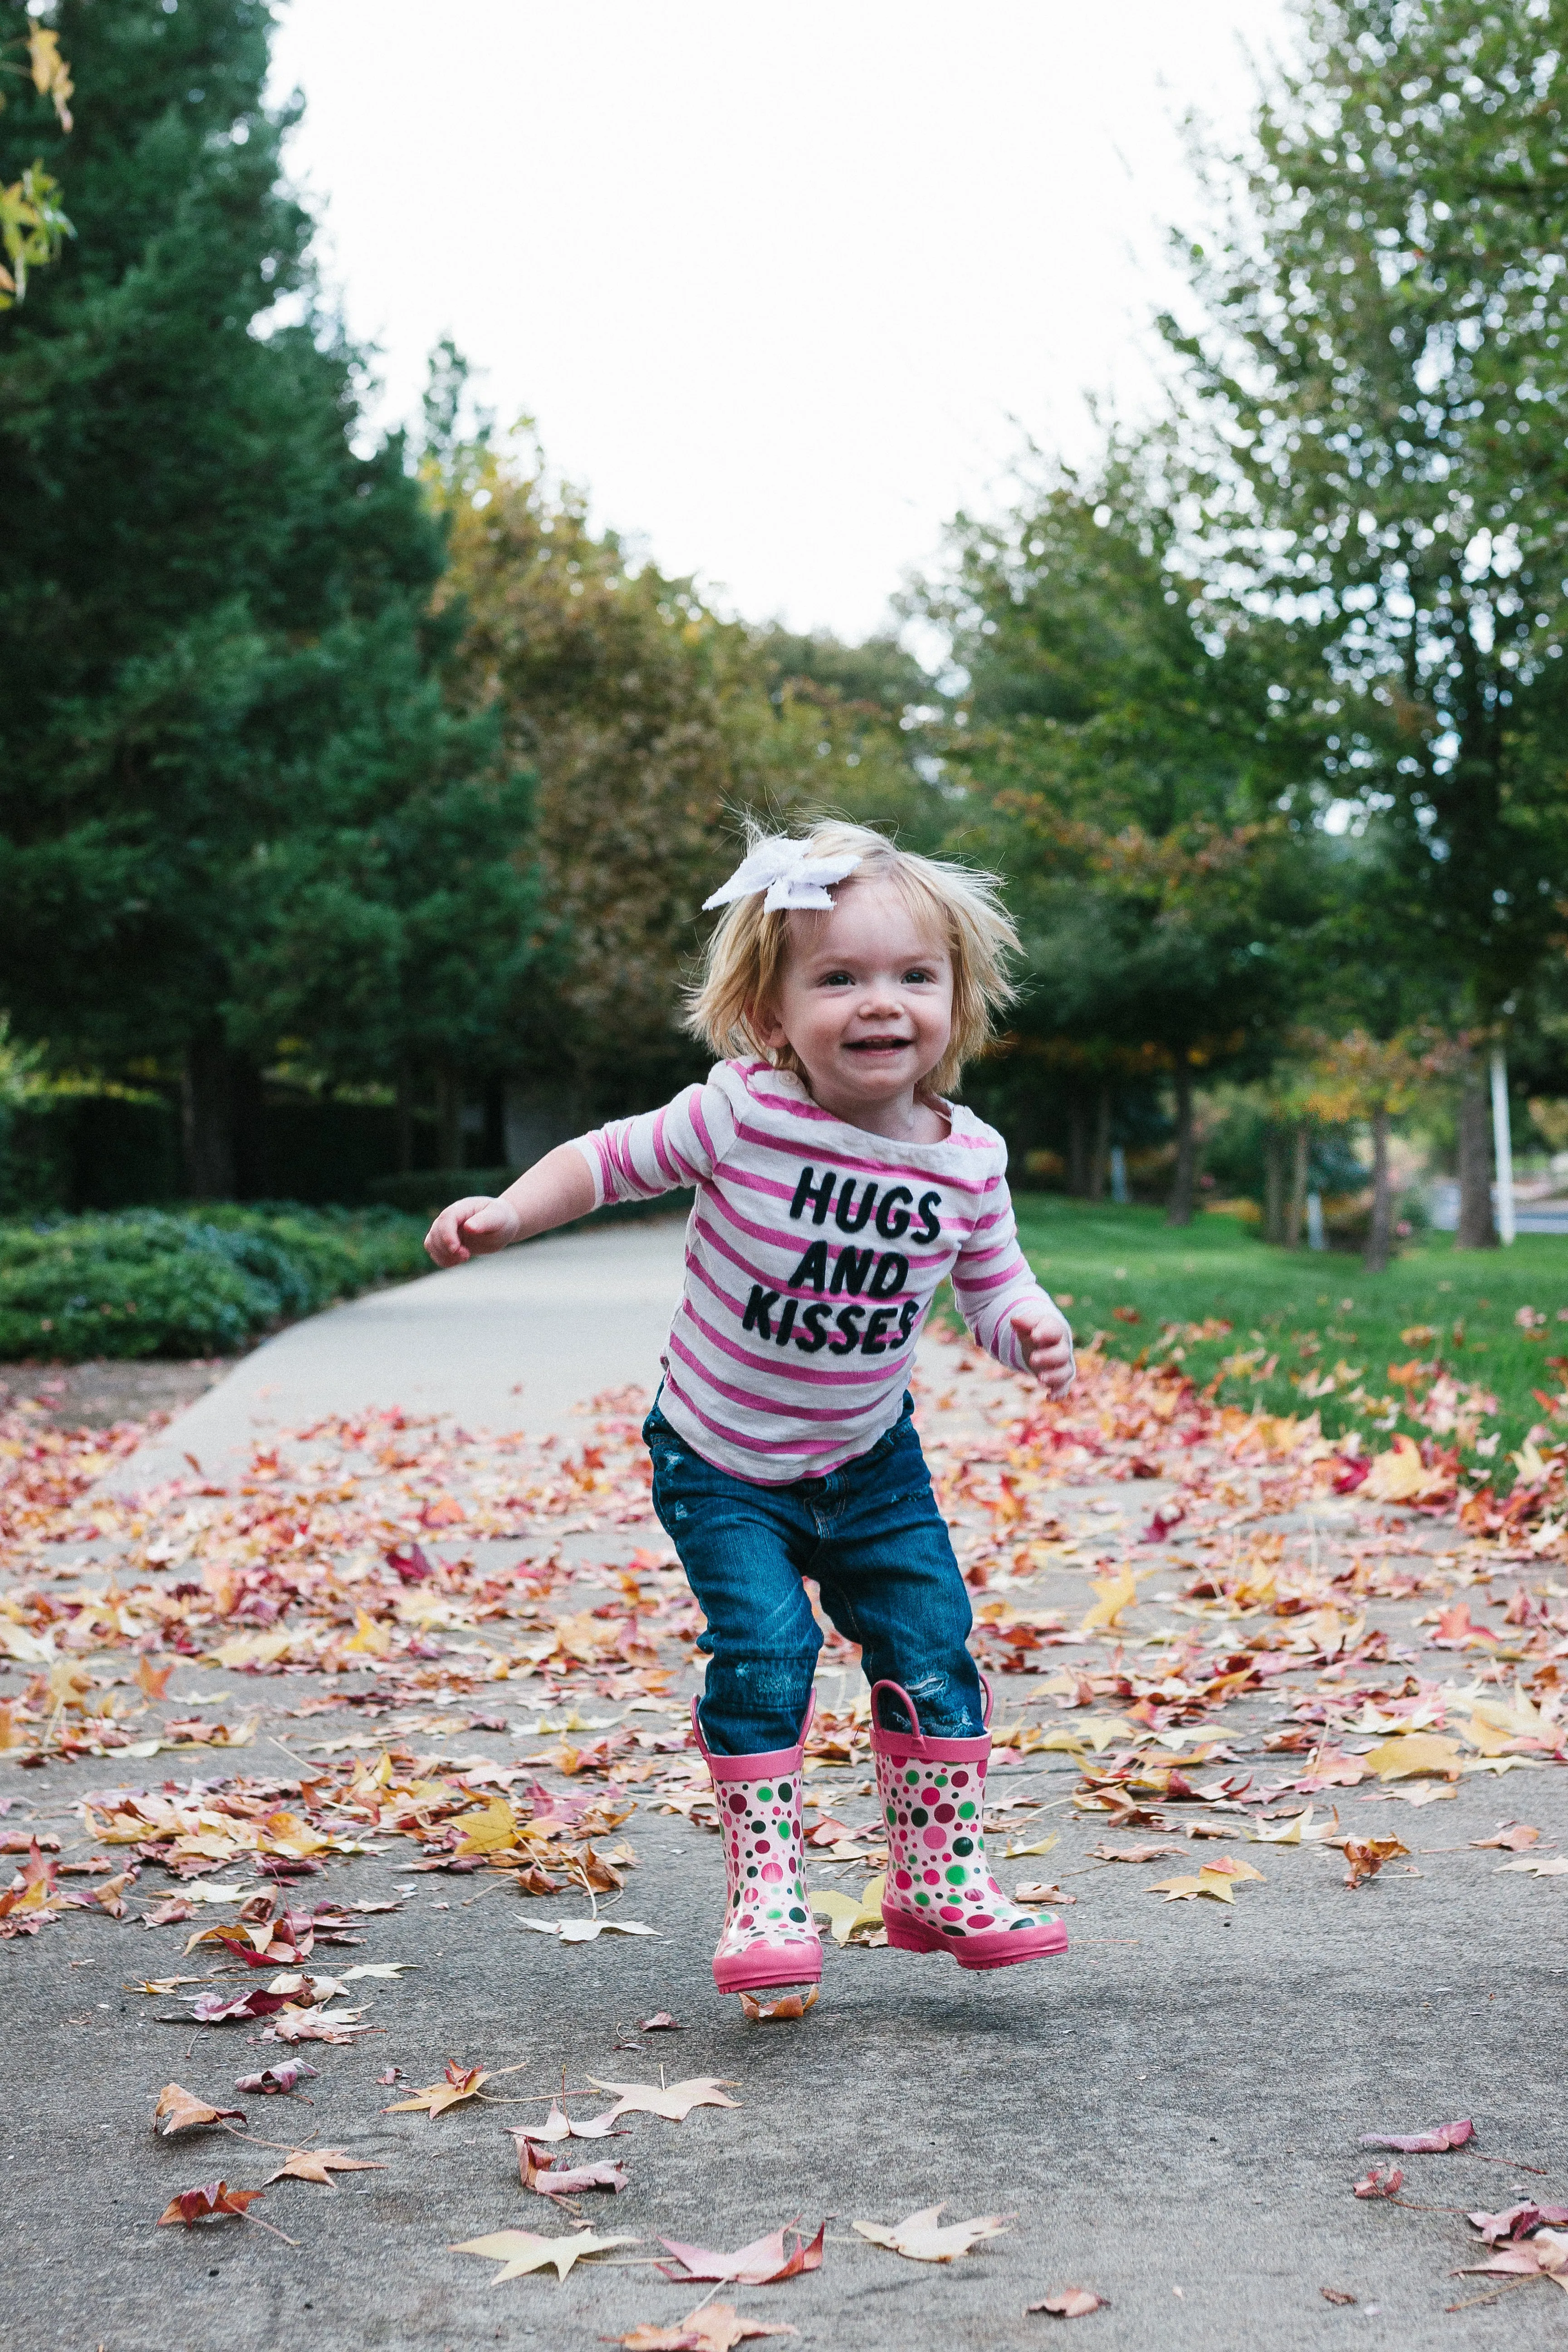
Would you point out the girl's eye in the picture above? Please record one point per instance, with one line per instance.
(918, 973)
(836, 979)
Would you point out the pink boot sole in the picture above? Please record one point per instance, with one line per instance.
(1004, 1948)
(762, 1967)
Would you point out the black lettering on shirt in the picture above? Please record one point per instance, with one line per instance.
(786, 1321)
(892, 1273)
(930, 1226)
(874, 1344)
(850, 1271)
(909, 1315)
(847, 1318)
(845, 1222)
(810, 1194)
(812, 1269)
(756, 1315)
(812, 1320)
(892, 1220)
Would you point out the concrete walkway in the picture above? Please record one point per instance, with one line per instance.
(506, 1342)
(1171, 2115)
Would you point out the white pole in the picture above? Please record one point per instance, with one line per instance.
(1502, 1146)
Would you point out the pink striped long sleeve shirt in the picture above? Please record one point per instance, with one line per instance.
(812, 1256)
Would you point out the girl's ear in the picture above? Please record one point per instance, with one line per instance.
(766, 1026)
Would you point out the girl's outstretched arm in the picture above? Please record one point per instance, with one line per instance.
(552, 1192)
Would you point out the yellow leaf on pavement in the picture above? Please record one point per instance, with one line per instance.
(850, 1918)
(1410, 1752)
(520, 2251)
(1116, 1594)
(368, 1636)
(495, 1831)
(319, 2163)
(462, 2083)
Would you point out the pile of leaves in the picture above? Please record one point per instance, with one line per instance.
(198, 1283)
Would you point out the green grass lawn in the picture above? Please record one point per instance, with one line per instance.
(1315, 1313)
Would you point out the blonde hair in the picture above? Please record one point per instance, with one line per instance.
(745, 958)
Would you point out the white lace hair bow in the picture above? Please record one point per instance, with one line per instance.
(788, 873)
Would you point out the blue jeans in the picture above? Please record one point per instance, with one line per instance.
(872, 1535)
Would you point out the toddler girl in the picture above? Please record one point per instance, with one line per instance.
(849, 983)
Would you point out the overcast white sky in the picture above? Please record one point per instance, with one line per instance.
(782, 285)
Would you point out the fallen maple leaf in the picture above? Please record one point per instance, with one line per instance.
(716, 2327)
(784, 2007)
(1415, 1751)
(763, 2263)
(170, 1912)
(1513, 1837)
(674, 2103)
(919, 2237)
(318, 2164)
(274, 2079)
(1215, 1878)
(1540, 1867)
(558, 2126)
(586, 1931)
(1436, 2142)
(660, 2022)
(1297, 1830)
(1543, 2256)
(1072, 2303)
(215, 2201)
(1366, 1857)
(1381, 2180)
(538, 2169)
(521, 2251)
(1337, 2294)
(1121, 1853)
(852, 1921)
(180, 2110)
(462, 2083)
(1517, 2220)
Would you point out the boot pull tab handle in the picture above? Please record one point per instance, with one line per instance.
(900, 1693)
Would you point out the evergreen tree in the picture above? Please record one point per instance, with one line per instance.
(221, 750)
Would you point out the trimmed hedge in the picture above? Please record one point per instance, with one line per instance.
(201, 1281)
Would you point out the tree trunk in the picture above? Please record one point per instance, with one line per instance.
(1179, 1211)
(1477, 1229)
(1273, 1184)
(1100, 1154)
(206, 1117)
(1380, 1239)
(448, 1117)
(1077, 1148)
(1296, 1207)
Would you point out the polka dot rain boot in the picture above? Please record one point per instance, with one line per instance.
(770, 1937)
(940, 1894)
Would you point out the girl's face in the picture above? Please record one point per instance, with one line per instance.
(866, 999)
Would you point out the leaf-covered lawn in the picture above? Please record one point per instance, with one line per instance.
(1302, 1319)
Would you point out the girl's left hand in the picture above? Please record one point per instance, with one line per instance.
(1047, 1339)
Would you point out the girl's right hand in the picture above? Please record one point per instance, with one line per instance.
(474, 1226)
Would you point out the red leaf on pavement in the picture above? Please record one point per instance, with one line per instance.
(1383, 2180)
(1518, 2221)
(1514, 1836)
(1072, 2303)
(213, 2008)
(180, 2110)
(1436, 2142)
(287, 2076)
(660, 2022)
(713, 2328)
(761, 2264)
(215, 2201)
